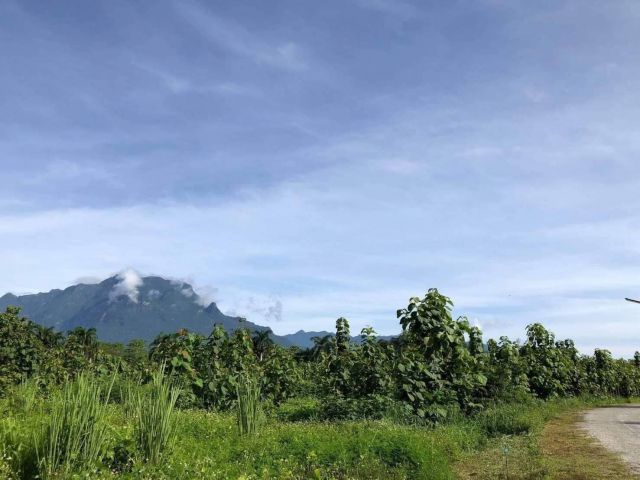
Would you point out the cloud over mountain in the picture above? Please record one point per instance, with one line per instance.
(127, 286)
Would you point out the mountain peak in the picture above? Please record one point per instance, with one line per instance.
(123, 307)
(129, 306)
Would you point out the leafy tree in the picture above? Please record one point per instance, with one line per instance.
(177, 351)
(542, 358)
(373, 366)
(262, 342)
(84, 342)
(338, 362)
(135, 353)
(49, 337)
(21, 349)
(506, 370)
(321, 345)
(281, 374)
(437, 367)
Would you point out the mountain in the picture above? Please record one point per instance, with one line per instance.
(126, 306)
(303, 339)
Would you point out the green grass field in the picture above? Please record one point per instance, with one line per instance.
(290, 444)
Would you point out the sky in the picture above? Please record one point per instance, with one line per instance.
(298, 161)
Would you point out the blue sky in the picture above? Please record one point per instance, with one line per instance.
(299, 161)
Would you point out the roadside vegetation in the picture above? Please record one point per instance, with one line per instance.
(434, 403)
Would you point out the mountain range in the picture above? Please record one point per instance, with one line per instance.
(126, 307)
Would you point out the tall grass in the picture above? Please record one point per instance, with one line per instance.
(248, 403)
(129, 396)
(75, 433)
(155, 422)
(23, 398)
(17, 453)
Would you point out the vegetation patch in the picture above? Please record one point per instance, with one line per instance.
(434, 402)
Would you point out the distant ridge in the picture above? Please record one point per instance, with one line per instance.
(125, 307)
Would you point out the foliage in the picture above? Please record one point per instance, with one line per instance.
(438, 371)
(248, 405)
(154, 417)
(438, 367)
(506, 371)
(135, 354)
(177, 351)
(22, 351)
(75, 434)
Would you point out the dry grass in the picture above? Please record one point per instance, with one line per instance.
(561, 451)
(573, 455)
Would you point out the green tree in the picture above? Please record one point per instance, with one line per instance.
(22, 351)
(437, 367)
(135, 353)
(543, 362)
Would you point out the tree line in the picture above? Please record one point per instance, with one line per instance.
(437, 366)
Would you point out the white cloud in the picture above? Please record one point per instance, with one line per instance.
(520, 215)
(203, 295)
(128, 285)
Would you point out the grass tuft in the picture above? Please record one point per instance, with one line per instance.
(75, 434)
(248, 405)
(155, 422)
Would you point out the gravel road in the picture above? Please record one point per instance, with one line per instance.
(618, 429)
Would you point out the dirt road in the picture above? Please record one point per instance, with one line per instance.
(618, 429)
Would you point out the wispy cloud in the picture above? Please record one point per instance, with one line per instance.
(237, 39)
(179, 85)
(488, 150)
